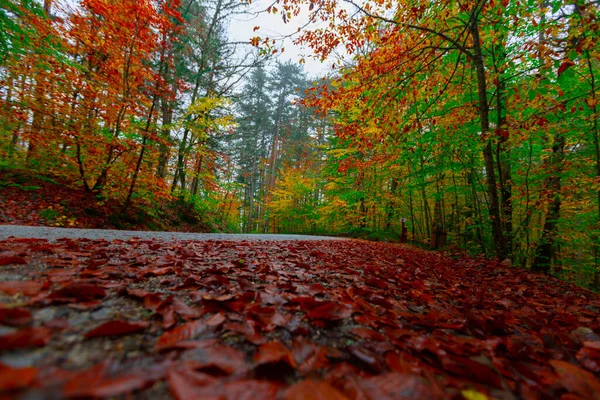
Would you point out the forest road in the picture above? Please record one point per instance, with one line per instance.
(51, 234)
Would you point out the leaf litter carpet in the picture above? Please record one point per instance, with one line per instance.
(286, 320)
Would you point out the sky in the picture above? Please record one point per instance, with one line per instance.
(272, 26)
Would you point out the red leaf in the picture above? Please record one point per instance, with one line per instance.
(78, 291)
(313, 390)
(17, 316)
(8, 260)
(366, 333)
(274, 352)
(396, 386)
(16, 378)
(577, 380)
(224, 358)
(94, 381)
(25, 338)
(27, 288)
(184, 332)
(185, 383)
(331, 311)
(564, 66)
(315, 289)
(116, 328)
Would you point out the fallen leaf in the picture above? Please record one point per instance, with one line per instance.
(78, 292)
(18, 316)
(313, 390)
(27, 288)
(577, 380)
(25, 338)
(117, 328)
(16, 378)
(186, 331)
(8, 260)
(331, 311)
(274, 352)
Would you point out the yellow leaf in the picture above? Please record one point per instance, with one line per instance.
(473, 395)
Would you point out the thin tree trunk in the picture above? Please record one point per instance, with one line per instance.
(488, 154)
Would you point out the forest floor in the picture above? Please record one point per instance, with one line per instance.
(286, 319)
(36, 200)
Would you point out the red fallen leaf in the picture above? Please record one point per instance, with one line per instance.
(313, 390)
(115, 386)
(185, 383)
(366, 333)
(269, 317)
(247, 329)
(86, 305)
(471, 369)
(577, 380)
(222, 297)
(366, 357)
(11, 259)
(27, 288)
(306, 303)
(116, 328)
(378, 283)
(274, 352)
(224, 358)
(79, 291)
(331, 311)
(403, 362)
(184, 332)
(215, 320)
(16, 378)
(395, 386)
(18, 316)
(249, 389)
(152, 301)
(315, 289)
(94, 381)
(25, 338)
(186, 312)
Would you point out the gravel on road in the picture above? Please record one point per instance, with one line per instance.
(52, 233)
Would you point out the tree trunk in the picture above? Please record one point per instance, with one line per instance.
(488, 154)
